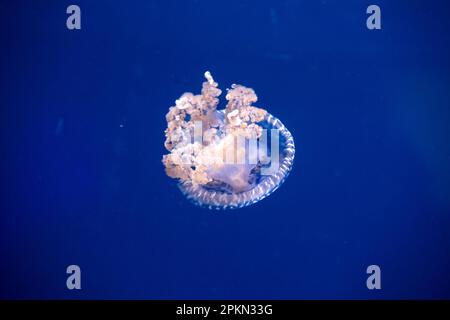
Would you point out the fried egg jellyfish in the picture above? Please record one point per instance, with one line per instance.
(230, 158)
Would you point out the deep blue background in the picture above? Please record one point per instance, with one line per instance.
(82, 132)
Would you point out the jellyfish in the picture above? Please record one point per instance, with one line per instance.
(228, 158)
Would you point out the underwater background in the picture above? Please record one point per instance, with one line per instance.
(82, 133)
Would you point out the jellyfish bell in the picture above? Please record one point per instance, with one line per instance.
(240, 185)
(228, 158)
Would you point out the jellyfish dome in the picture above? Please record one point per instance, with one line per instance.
(229, 158)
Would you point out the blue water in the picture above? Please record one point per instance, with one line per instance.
(82, 132)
